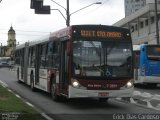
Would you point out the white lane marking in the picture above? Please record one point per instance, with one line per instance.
(46, 116)
(149, 105)
(17, 96)
(6, 86)
(136, 93)
(147, 95)
(156, 97)
(132, 101)
(3, 84)
(10, 90)
(29, 104)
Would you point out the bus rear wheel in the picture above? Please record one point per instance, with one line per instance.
(54, 95)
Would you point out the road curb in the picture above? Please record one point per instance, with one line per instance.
(144, 99)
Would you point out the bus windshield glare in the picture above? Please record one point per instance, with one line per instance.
(153, 52)
(101, 59)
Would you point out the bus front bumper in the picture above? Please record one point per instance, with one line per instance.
(82, 93)
(150, 79)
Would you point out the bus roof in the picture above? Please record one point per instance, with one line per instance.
(20, 46)
(40, 40)
(31, 43)
(66, 32)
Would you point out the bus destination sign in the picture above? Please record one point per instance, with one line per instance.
(103, 34)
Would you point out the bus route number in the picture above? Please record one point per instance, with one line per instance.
(104, 34)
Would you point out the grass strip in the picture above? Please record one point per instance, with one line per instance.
(12, 107)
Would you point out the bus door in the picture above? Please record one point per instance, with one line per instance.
(136, 65)
(63, 66)
(22, 64)
(37, 64)
(25, 62)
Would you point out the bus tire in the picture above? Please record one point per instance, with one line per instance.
(32, 83)
(54, 95)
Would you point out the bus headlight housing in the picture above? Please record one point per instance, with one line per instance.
(129, 84)
(76, 84)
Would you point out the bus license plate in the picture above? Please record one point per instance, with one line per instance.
(103, 94)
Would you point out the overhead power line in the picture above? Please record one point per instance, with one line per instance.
(27, 31)
(28, 34)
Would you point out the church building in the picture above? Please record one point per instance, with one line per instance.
(8, 51)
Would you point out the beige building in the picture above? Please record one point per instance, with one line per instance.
(8, 51)
(132, 6)
(142, 24)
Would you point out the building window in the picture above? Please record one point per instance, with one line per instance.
(146, 22)
(141, 24)
(136, 27)
(132, 28)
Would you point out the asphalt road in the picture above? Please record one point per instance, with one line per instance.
(79, 109)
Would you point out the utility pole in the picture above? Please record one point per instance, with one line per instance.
(43, 9)
(68, 14)
(156, 18)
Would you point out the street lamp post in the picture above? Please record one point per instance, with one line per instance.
(156, 18)
(68, 12)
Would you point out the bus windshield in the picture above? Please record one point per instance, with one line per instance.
(102, 58)
(153, 52)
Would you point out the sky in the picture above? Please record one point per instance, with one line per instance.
(30, 26)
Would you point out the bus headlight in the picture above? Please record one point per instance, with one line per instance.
(129, 84)
(75, 84)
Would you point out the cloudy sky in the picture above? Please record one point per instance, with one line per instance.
(30, 26)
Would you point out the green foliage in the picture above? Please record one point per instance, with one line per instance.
(10, 105)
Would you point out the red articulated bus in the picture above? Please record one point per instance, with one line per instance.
(80, 61)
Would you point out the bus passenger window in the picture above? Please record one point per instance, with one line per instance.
(32, 57)
(52, 54)
(42, 56)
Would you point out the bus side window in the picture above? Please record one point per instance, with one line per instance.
(29, 63)
(43, 56)
(56, 54)
(32, 57)
(49, 56)
(17, 57)
(52, 54)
